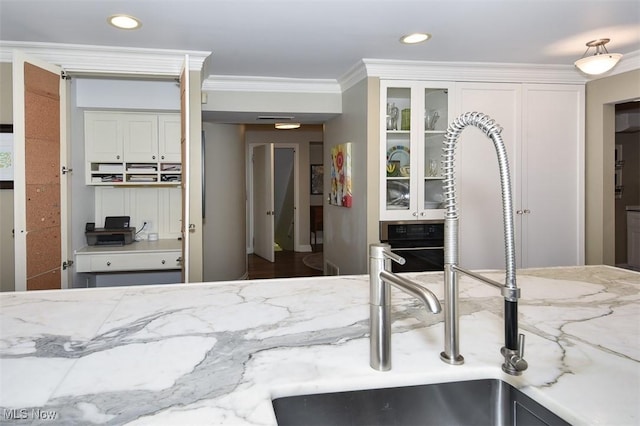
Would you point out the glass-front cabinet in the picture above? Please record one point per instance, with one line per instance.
(414, 119)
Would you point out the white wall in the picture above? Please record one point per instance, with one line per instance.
(224, 251)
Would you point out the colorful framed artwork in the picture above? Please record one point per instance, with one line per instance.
(341, 184)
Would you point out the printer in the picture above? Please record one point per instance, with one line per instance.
(116, 232)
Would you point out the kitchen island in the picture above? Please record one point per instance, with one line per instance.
(218, 353)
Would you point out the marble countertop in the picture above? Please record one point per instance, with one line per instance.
(218, 353)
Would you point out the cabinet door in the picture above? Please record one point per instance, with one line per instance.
(140, 138)
(103, 137)
(414, 117)
(169, 138)
(398, 194)
(432, 119)
(553, 184)
(477, 174)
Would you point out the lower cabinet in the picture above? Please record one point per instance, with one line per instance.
(138, 256)
(132, 262)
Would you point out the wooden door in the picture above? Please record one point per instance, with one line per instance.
(263, 230)
(40, 195)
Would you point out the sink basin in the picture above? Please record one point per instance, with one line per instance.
(475, 402)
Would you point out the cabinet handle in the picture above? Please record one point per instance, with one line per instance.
(162, 157)
(518, 211)
(163, 262)
(527, 211)
(117, 157)
(153, 157)
(415, 214)
(108, 263)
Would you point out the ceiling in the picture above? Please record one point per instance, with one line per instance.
(325, 39)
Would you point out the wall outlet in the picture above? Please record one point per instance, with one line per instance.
(149, 227)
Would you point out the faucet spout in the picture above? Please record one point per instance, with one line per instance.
(423, 294)
(513, 349)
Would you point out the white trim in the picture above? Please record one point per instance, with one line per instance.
(472, 71)
(235, 83)
(352, 77)
(75, 58)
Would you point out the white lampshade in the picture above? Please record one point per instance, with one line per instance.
(598, 64)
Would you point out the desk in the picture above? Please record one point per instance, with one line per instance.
(315, 223)
(138, 256)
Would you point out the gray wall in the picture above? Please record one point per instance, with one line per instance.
(346, 230)
(6, 195)
(601, 96)
(224, 230)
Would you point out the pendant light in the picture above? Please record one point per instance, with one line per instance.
(601, 61)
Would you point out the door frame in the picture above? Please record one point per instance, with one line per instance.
(297, 246)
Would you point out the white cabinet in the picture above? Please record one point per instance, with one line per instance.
(140, 256)
(414, 116)
(544, 137)
(131, 148)
(103, 135)
(140, 137)
(169, 138)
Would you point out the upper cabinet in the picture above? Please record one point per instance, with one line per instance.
(414, 118)
(542, 128)
(132, 148)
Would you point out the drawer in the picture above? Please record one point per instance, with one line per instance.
(133, 262)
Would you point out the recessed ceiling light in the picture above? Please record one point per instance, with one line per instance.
(415, 38)
(287, 126)
(124, 22)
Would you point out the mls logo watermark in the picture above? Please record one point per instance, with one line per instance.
(29, 414)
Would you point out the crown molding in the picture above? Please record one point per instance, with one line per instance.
(76, 58)
(473, 71)
(356, 73)
(269, 84)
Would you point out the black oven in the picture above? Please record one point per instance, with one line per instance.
(421, 243)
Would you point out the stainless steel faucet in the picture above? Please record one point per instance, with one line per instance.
(513, 350)
(380, 280)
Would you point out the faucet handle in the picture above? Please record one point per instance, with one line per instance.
(396, 258)
(514, 362)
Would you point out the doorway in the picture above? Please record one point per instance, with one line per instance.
(627, 176)
(277, 220)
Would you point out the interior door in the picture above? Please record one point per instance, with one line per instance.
(40, 194)
(184, 149)
(263, 230)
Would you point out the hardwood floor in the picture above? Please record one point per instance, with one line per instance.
(288, 264)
